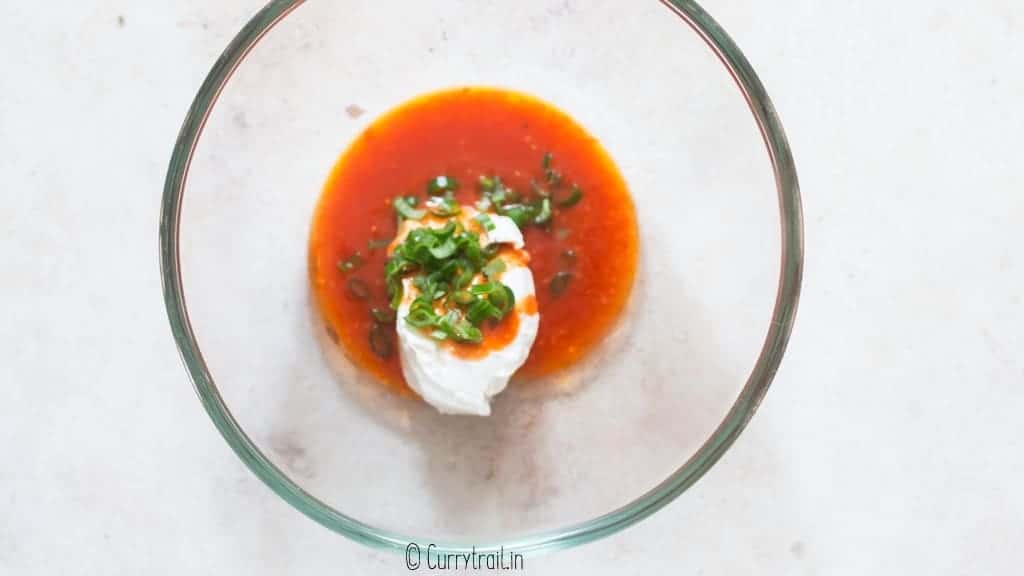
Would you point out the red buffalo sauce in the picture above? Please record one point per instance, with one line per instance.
(468, 133)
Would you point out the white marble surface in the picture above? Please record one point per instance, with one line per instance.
(889, 444)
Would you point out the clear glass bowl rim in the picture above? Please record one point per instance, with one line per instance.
(772, 351)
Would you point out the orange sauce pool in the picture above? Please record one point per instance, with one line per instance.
(466, 133)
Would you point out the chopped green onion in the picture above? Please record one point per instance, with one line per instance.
(494, 268)
(351, 263)
(374, 244)
(485, 221)
(439, 335)
(447, 269)
(398, 265)
(442, 184)
(442, 264)
(553, 177)
(466, 332)
(538, 190)
(421, 317)
(485, 288)
(395, 292)
(491, 251)
(482, 310)
(546, 162)
(443, 207)
(503, 299)
(464, 278)
(559, 283)
(510, 296)
(519, 213)
(445, 250)
(380, 341)
(447, 230)
(405, 207)
(471, 249)
(422, 303)
(462, 297)
(425, 282)
(574, 196)
(358, 289)
(543, 213)
(487, 185)
(383, 315)
(458, 328)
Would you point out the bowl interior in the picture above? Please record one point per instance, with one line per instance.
(555, 454)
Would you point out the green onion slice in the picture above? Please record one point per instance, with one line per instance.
(405, 207)
(438, 186)
(494, 268)
(485, 221)
(573, 198)
(559, 283)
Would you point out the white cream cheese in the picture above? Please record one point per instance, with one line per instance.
(456, 385)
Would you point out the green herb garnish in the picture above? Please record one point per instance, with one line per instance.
(375, 244)
(487, 185)
(485, 288)
(573, 198)
(442, 263)
(462, 297)
(494, 268)
(383, 315)
(443, 207)
(502, 298)
(480, 310)
(553, 177)
(559, 283)
(405, 206)
(459, 329)
(543, 213)
(490, 251)
(444, 250)
(536, 207)
(380, 341)
(442, 184)
(465, 277)
(492, 193)
(538, 190)
(358, 289)
(521, 214)
(485, 221)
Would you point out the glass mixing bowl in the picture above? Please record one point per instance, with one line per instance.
(560, 462)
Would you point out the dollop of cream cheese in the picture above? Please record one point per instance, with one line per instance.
(456, 385)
